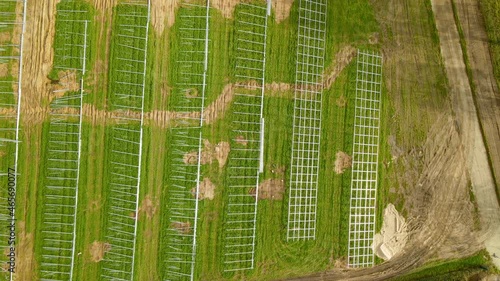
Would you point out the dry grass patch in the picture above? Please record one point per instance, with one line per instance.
(207, 190)
(182, 227)
(342, 162)
(98, 249)
(273, 189)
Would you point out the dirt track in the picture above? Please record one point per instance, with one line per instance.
(487, 95)
(467, 120)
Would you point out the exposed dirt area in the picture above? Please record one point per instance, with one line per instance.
(487, 94)
(467, 121)
(98, 250)
(149, 206)
(282, 9)
(5, 36)
(68, 82)
(272, 189)
(241, 140)
(226, 7)
(209, 153)
(222, 150)
(217, 109)
(25, 258)
(182, 227)
(342, 59)
(4, 69)
(163, 12)
(342, 162)
(207, 190)
(393, 235)
(38, 58)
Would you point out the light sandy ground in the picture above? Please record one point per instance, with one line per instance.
(207, 190)
(393, 235)
(487, 95)
(342, 162)
(282, 9)
(467, 120)
(163, 12)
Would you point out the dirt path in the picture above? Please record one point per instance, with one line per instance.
(467, 120)
(486, 93)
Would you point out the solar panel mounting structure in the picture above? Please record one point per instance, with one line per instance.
(364, 177)
(187, 139)
(304, 170)
(128, 93)
(246, 156)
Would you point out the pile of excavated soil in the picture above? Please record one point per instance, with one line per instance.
(393, 235)
(98, 249)
(342, 162)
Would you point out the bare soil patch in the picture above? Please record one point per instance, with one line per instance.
(273, 189)
(241, 140)
(98, 250)
(68, 82)
(282, 9)
(182, 227)
(25, 257)
(4, 69)
(393, 235)
(342, 162)
(342, 59)
(149, 206)
(38, 57)
(226, 7)
(207, 190)
(5, 36)
(217, 109)
(209, 153)
(163, 12)
(222, 150)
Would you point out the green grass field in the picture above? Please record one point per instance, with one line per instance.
(406, 39)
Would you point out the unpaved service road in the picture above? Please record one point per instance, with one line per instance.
(468, 123)
(486, 92)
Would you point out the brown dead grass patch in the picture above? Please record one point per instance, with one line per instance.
(149, 206)
(282, 9)
(98, 250)
(68, 82)
(341, 101)
(163, 11)
(222, 150)
(217, 109)
(342, 59)
(5, 36)
(226, 7)
(342, 162)
(241, 140)
(207, 190)
(209, 153)
(182, 227)
(273, 189)
(25, 258)
(4, 69)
